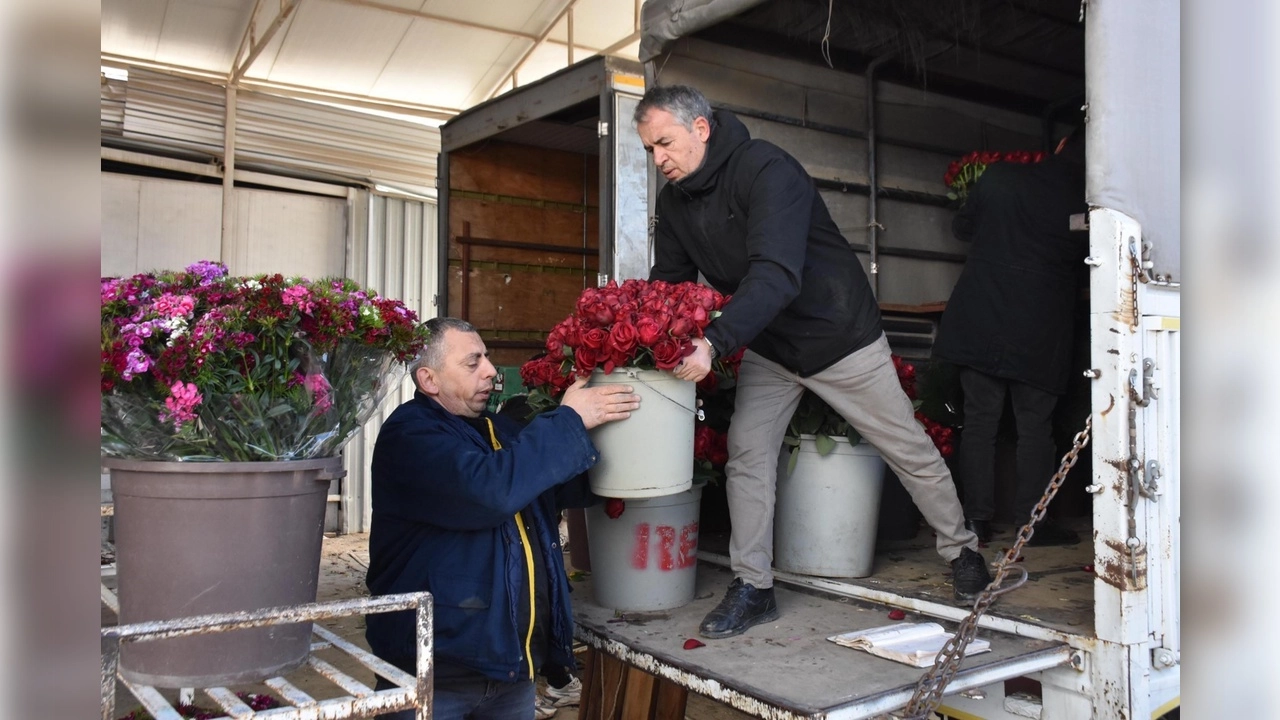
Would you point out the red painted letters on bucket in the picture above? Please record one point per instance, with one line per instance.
(670, 555)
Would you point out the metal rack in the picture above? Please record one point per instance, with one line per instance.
(358, 700)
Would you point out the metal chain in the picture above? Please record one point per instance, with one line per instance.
(933, 684)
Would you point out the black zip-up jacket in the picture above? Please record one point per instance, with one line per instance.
(752, 222)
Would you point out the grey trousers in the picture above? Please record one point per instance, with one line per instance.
(864, 389)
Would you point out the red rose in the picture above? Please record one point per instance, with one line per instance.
(585, 360)
(589, 297)
(702, 442)
(708, 384)
(614, 507)
(622, 342)
(667, 353)
(682, 326)
(648, 330)
(594, 339)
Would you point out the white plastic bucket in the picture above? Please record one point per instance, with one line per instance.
(646, 559)
(825, 518)
(650, 454)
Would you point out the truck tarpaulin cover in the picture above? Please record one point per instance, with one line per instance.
(1132, 80)
(662, 21)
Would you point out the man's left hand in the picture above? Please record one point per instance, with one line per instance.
(695, 366)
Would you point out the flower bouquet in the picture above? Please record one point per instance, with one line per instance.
(261, 379)
(633, 333)
(198, 365)
(963, 173)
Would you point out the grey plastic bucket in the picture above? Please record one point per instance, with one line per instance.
(194, 538)
(825, 518)
(650, 454)
(646, 559)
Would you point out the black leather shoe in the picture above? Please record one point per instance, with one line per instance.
(981, 528)
(969, 576)
(743, 605)
(1051, 533)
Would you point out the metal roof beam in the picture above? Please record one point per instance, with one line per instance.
(241, 67)
(568, 5)
(438, 18)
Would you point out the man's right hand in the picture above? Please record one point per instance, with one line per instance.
(599, 405)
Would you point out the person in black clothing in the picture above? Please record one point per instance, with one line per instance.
(1008, 324)
(746, 215)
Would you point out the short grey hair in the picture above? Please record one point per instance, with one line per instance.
(685, 104)
(432, 354)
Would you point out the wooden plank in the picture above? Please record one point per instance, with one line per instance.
(672, 701)
(516, 300)
(640, 696)
(523, 224)
(522, 171)
(614, 682)
(589, 701)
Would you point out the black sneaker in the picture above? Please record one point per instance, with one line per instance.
(1051, 533)
(743, 605)
(969, 576)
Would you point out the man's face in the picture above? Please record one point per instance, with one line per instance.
(677, 151)
(464, 379)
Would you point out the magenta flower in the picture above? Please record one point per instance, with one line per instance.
(299, 296)
(180, 406)
(136, 363)
(174, 305)
(321, 391)
(207, 271)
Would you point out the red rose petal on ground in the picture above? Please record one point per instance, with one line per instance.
(690, 644)
(897, 615)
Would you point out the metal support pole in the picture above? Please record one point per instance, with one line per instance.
(230, 249)
(873, 223)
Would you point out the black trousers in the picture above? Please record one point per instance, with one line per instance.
(1033, 416)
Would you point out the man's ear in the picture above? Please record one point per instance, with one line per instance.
(702, 128)
(426, 381)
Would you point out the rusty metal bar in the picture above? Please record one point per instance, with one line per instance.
(426, 650)
(353, 687)
(110, 663)
(520, 245)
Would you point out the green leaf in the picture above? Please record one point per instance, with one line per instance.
(791, 441)
(824, 444)
(854, 436)
(791, 462)
(952, 196)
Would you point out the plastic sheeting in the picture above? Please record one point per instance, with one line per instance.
(1133, 131)
(664, 21)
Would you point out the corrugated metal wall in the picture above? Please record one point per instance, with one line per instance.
(156, 110)
(392, 249)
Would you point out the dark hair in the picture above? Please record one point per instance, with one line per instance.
(685, 103)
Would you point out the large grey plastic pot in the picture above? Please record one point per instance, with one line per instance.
(211, 537)
(824, 520)
(650, 454)
(647, 558)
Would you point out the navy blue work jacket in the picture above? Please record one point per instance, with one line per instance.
(444, 505)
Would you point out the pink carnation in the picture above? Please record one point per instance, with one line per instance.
(321, 390)
(174, 305)
(299, 296)
(180, 406)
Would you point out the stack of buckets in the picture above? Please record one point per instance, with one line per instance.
(646, 559)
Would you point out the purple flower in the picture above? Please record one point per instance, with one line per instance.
(136, 363)
(207, 271)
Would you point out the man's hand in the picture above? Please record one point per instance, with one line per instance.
(696, 366)
(599, 405)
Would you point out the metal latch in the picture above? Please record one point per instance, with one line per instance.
(602, 279)
(1144, 398)
(602, 128)
(1164, 658)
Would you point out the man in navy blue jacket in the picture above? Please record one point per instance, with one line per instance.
(465, 505)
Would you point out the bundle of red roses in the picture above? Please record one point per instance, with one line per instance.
(646, 325)
(963, 173)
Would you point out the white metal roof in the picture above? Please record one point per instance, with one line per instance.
(435, 57)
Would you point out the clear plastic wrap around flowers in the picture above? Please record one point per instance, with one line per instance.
(198, 366)
(313, 420)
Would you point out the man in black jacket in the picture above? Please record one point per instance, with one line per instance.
(1008, 324)
(746, 215)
